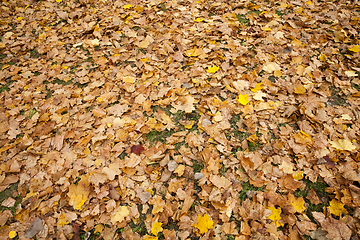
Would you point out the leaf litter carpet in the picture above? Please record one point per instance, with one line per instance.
(179, 119)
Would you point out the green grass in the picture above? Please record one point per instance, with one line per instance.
(6, 86)
(156, 136)
(34, 53)
(9, 193)
(246, 187)
(197, 166)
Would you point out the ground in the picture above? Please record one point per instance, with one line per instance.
(179, 119)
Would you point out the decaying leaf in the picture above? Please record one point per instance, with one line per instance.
(35, 227)
(342, 144)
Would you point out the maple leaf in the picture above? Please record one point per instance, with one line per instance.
(243, 99)
(12, 234)
(297, 203)
(258, 87)
(212, 69)
(62, 220)
(156, 228)
(337, 208)
(120, 214)
(355, 48)
(275, 216)
(342, 144)
(204, 223)
(271, 67)
(79, 193)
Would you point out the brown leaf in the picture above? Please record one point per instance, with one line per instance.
(137, 149)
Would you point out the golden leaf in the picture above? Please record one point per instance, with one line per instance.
(199, 20)
(355, 48)
(156, 228)
(271, 67)
(213, 69)
(120, 214)
(243, 99)
(128, 79)
(204, 224)
(128, 6)
(147, 237)
(342, 144)
(258, 87)
(275, 216)
(298, 175)
(99, 228)
(336, 208)
(62, 220)
(79, 193)
(12, 234)
(299, 89)
(297, 203)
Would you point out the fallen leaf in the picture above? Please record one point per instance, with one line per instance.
(203, 223)
(243, 99)
(79, 193)
(271, 67)
(212, 69)
(299, 89)
(297, 203)
(137, 149)
(337, 208)
(156, 228)
(355, 48)
(120, 214)
(342, 144)
(12, 234)
(275, 216)
(35, 227)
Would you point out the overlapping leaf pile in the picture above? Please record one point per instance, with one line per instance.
(179, 119)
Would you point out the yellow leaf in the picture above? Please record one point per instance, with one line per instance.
(271, 67)
(19, 18)
(322, 57)
(147, 237)
(243, 99)
(59, 1)
(204, 224)
(144, 44)
(297, 42)
(199, 20)
(99, 228)
(298, 175)
(64, 67)
(351, 73)
(309, 3)
(275, 216)
(266, 29)
(355, 48)
(342, 144)
(62, 220)
(258, 87)
(213, 69)
(128, 6)
(336, 208)
(297, 203)
(194, 52)
(120, 214)
(2, 45)
(156, 228)
(79, 193)
(128, 79)
(12, 234)
(299, 89)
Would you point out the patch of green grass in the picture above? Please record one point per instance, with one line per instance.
(253, 146)
(197, 166)
(336, 98)
(2, 56)
(139, 228)
(31, 113)
(156, 136)
(242, 19)
(9, 193)
(222, 170)
(6, 86)
(357, 87)
(246, 187)
(163, 7)
(34, 53)
(61, 82)
(279, 13)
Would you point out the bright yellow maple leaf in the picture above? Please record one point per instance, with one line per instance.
(199, 20)
(337, 208)
(297, 203)
(12, 234)
(355, 48)
(156, 228)
(258, 87)
(120, 214)
(342, 144)
(62, 220)
(79, 193)
(147, 237)
(298, 175)
(275, 216)
(204, 224)
(128, 6)
(213, 69)
(243, 99)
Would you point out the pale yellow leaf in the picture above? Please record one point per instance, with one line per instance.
(271, 67)
(342, 144)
